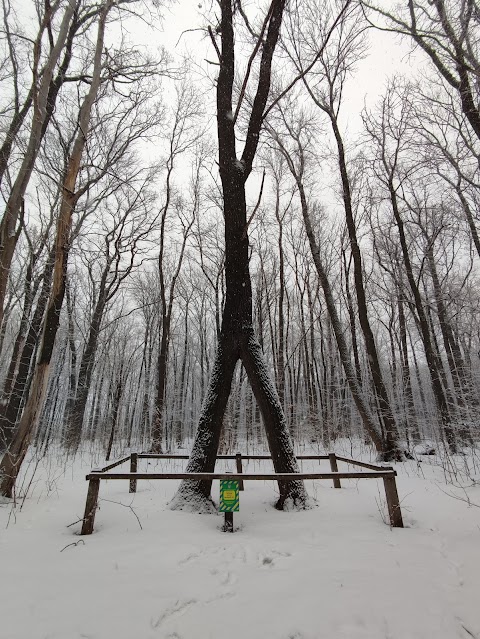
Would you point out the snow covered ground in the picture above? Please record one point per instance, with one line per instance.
(334, 572)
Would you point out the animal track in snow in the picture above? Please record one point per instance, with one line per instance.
(237, 553)
(223, 595)
(178, 607)
(229, 554)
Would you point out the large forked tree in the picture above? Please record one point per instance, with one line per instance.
(237, 340)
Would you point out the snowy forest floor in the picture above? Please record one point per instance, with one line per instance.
(334, 572)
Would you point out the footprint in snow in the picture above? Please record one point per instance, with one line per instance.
(227, 578)
(269, 559)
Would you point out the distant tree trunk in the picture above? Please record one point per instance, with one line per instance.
(158, 419)
(455, 360)
(432, 359)
(180, 428)
(96, 408)
(383, 446)
(77, 412)
(313, 369)
(179, 141)
(72, 381)
(11, 412)
(28, 296)
(281, 298)
(409, 410)
(146, 365)
(115, 408)
(351, 315)
(133, 409)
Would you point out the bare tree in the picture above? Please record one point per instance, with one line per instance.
(295, 153)
(387, 130)
(448, 32)
(325, 86)
(237, 339)
(185, 135)
(43, 95)
(126, 225)
(13, 458)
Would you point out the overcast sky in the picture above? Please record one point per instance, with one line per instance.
(387, 55)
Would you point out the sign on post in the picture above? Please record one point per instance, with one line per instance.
(229, 499)
(229, 502)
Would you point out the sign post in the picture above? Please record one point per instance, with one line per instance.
(229, 502)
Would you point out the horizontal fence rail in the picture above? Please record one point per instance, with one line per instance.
(361, 464)
(114, 464)
(249, 457)
(387, 473)
(244, 476)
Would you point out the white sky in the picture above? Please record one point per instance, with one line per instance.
(387, 55)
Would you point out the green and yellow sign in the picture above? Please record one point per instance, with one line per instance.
(229, 499)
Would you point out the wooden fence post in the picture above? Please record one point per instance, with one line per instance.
(393, 502)
(133, 469)
(90, 507)
(334, 468)
(228, 524)
(238, 458)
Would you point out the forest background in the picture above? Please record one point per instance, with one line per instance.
(363, 209)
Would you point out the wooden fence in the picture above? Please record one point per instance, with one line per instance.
(387, 473)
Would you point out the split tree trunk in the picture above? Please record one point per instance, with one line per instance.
(237, 338)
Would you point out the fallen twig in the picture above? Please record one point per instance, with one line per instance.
(75, 522)
(465, 499)
(74, 543)
(125, 506)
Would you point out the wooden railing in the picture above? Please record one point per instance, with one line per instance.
(387, 473)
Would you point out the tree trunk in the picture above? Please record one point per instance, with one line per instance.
(408, 404)
(158, 418)
(433, 365)
(29, 294)
(391, 433)
(77, 414)
(10, 414)
(115, 410)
